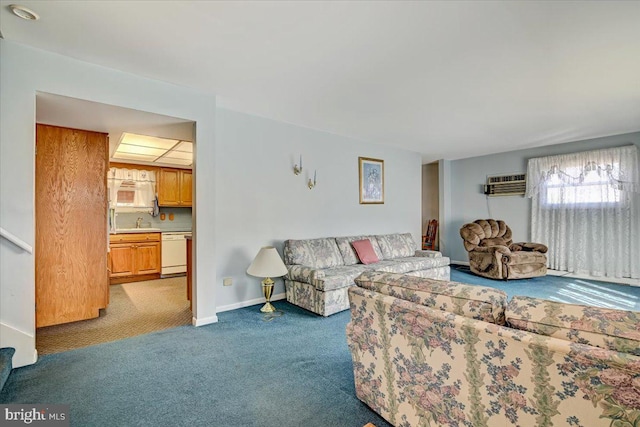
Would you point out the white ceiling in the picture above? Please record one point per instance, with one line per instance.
(446, 79)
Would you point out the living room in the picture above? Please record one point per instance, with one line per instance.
(248, 195)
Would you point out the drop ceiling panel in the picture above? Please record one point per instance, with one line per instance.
(152, 149)
(148, 141)
(175, 161)
(137, 149)
(177, 155)
(131, 156)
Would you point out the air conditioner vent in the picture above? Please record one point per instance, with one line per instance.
(506, 185)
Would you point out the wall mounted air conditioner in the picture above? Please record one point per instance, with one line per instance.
(506, 185)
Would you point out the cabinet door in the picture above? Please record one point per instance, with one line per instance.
(122, 259)
(71, 280)
(169, 187)
(186, 188)
(147, 258)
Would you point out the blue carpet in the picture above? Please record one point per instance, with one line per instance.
(6, 364)
(561, 289)
(294, 370)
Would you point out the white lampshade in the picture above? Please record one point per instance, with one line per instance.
(267, 264)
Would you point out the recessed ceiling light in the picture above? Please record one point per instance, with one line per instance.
(24, 13)
(153, 149)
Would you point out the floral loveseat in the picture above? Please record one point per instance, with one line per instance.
(432, 353)
(321, 270)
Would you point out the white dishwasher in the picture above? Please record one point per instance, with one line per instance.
(174, 252)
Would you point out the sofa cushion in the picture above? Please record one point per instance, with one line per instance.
(617, 330)
(365, 251)
(349, 255)
(318, 253)
(328, 279)
(408, 264)
(437, 273)
(476, 302)
(396, 245)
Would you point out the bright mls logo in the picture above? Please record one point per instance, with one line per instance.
(36, 415)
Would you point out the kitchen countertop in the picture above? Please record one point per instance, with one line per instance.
(147, 230)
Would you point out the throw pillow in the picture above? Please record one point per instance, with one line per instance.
(365, 251)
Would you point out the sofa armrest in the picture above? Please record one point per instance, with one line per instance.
(428, 253)
(529, 247)
(303, 273)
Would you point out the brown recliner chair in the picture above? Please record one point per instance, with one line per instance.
(493, 255)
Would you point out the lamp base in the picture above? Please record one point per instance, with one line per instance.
(267, 290)
(268, 308)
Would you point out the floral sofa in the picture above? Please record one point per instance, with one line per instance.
(432, 353)
(321, 270)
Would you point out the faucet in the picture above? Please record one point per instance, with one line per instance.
(138, 222)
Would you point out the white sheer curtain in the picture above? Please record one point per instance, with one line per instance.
(141, 184)
(586, 208)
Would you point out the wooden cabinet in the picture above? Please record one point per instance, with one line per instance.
(186, 187)
(175, 187)
(135, 256)
(121, 259)
(71, 280)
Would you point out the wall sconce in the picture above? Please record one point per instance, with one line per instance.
(312, 184)
(297, 170)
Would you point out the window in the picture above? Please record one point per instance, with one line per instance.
(126, 194)
(131, 188)
(582, 186)
(585, 207)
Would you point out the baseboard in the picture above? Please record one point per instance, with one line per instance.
(24, 343)
(204, 321)
(459, 262)
(229, 307)
(247, 303)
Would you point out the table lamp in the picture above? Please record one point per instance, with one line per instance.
(267, 264)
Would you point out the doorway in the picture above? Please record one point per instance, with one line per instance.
(134, 307)
(430, 197)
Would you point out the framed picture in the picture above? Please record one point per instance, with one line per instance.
(371, 180)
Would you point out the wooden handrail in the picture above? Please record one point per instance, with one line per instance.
(16, 240)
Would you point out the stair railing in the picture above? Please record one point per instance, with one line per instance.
(16, 240)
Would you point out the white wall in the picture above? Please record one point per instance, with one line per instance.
(246, 193)
(468, 175)
(261, 202)
(23, 71)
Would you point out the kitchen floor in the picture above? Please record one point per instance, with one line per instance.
(134, 309)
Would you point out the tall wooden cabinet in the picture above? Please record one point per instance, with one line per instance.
(175, 187)
(71, 225)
